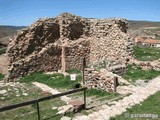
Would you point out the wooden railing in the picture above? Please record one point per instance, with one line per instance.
(36, 101)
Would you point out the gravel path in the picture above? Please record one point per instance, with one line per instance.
(51, 90)
(118, 107)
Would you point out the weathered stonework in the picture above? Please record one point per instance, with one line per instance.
(147, 65)
(61, 43)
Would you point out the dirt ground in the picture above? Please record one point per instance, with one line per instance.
(3, 64)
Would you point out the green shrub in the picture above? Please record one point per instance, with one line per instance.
(2, 51)
(1, 76)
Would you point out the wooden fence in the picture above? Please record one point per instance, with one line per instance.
(36, 101)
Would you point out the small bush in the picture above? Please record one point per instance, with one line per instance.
(1, 76)
(2, 51)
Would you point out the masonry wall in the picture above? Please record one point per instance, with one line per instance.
(110, 41)
(48, 59)
(40, 46)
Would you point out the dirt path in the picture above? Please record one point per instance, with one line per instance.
(118, 107)
(3, 64)
(51, 90)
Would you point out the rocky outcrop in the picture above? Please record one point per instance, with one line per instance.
(61, 43)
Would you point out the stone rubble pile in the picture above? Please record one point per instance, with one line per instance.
(111, 65)
(99, 79)
(102, 79)
(147, 65)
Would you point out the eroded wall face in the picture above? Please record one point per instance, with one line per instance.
(48, 59)
(33, 39)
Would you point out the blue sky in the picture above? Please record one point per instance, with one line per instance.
(25, 12)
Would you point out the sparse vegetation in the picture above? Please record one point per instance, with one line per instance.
(16, 95)
(71, 71)
(100, 93)
(134, 73)
(142, 24)
(9, 30)
(149, 106)
(2, 51)
(1, 76)
(56, 80)
(60, 81)
(146, 54)
(100, 64)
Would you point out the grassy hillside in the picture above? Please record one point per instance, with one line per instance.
(146, 54)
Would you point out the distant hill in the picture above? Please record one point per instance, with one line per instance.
(144, 28)
(7, 32)
(142, 24)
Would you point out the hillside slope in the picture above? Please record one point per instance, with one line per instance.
(144, 29)
(7, 32)
(142, 24)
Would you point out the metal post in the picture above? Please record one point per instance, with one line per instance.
(85, 99)
(38, 111)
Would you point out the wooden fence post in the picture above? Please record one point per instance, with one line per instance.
(115, 83)
(85, 99)
(38, 111)
(83, 68)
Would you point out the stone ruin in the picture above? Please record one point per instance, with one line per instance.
(60, 43)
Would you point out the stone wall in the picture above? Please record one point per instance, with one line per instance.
(60, 43)
(73, 27)
(75, 54)
(110, 40)
(48, 59)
